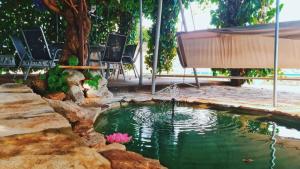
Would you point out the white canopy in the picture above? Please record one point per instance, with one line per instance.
(241, 47)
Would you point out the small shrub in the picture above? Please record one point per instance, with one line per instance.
(19, 81)
(57, 80)
(73, 61)
(92, 80)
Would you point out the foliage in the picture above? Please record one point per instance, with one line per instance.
(232, 13)
(92, 80)
(19, 81)
(114, 17)
(254, 126)
(73, 61)
(167, 43)
(56, 79)
(17, 15)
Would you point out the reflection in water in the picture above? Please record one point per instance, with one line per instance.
(201, 138)
(273, 150)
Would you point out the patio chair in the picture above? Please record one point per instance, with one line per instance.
(7, 61)
(38, 47)
(25, 59)
(129, 57)
(113, 53)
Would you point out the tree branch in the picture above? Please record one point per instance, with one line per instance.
(52, 5)
(71, 5)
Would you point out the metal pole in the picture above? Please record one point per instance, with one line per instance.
(276, 55)
(141, 44)
(56, 20)
(156, 44)
(186, 29)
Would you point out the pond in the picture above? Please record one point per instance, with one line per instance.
(196, 137)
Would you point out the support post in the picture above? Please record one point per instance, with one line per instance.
(186, 29)
(157, 36)
(56, 26)
(141, 44)
(276, 54)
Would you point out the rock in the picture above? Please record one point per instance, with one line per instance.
(93, 102)
(113, 146)
(102, 90)
(26, 113)
(14, 88)
(94, 139)
(56, 96)
(71, 111)
(82, 127)
(75, 77)
(76, 94)
(127, 160)
(51, 149)
(39, 86)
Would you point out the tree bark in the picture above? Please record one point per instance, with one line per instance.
(237, 72)
(77, 31)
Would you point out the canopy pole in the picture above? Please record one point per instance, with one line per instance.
(141, 44)
(186, 29)
(56, 27)
(157, 36)
(276, 55)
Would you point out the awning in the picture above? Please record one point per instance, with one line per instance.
(241, 47)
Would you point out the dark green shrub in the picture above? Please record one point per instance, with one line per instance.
(73, 61)
(57, 80)
(92, 80)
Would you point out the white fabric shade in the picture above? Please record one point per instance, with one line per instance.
(241, 47)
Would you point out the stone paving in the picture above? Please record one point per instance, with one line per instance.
(239, 97)
(33, 135)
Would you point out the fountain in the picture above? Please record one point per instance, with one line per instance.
(174, 92)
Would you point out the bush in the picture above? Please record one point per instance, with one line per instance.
(56, 80)
(73, 61)
(92, 80)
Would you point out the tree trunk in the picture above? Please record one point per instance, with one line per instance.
(237, 72)
(77, 33)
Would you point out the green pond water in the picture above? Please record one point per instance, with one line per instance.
(198, 138)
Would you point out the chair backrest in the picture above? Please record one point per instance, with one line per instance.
(114, 48)
(36, 42)
(19, 46)
(130, 51)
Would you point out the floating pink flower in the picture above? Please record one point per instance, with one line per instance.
(118, 138)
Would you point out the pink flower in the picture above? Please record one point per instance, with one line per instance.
(118, 138)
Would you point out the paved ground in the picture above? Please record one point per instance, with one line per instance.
(259, 99)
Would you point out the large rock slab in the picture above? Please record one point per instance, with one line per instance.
(102, 90)
(128, 160)
(14, 88)
(26, 112)
(72, 111)
(76, 94)
(33, 135)
(51, 149)
(75, 77)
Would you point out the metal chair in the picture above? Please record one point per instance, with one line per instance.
(7, 61)
(113, 53)
(25, 59)
(129, 57)
(39, 51)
